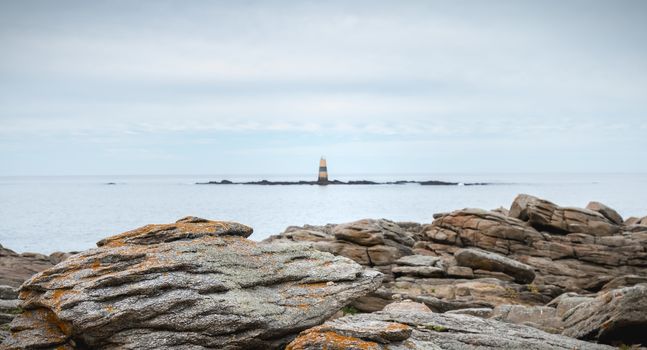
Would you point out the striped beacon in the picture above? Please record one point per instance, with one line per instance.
(323, 172)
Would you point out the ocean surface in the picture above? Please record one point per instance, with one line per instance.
(47, 214)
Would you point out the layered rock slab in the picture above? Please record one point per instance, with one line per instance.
(193, 284)
(616, 316)
(479, 259)
(400, 329)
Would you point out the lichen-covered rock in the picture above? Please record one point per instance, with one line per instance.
(616, 316)
(541, 317)
(407, 329)
(192, 284)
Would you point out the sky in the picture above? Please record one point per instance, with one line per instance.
(267, 87)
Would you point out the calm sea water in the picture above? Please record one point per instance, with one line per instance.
(46, 214)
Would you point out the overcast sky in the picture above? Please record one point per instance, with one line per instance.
(230, 87)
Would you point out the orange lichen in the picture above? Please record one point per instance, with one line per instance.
(57, 294)
(330, 340)
(396, 327)
(178, 229)
(63, 326)
(314, 285)
(109, 308)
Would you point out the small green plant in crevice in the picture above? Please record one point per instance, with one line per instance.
(628, 347)
(349, 310)
(14, 311)
(4, 327)
(511, 293)
(436, 328)
(533, 288)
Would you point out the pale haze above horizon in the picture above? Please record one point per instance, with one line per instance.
(250, 87)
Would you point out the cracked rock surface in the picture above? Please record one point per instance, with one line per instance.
(397, 329)
(194, 284)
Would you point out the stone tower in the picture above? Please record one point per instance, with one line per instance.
(323, 172)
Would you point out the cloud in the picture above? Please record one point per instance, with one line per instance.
(371, 71)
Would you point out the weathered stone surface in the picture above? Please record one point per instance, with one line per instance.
(421, 271)
(574, 261)
(483, 312)
(16, 268)
(37, 329)
(478, 259)
(442, 294)
(406, 306)
(480, 228)
(418, 260)
(548, 216)
(192, 284)
(571, 250)
(567, 301)
(400, 330)
(382, 255)
(460, 272)
(8, 292)
(187, 228)
(363, 232)
(616, 316)
(541, 317)
(606, 211)
(624, 281)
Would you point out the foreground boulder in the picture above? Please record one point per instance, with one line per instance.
(192, 284)
(614, 317)
(410, 328)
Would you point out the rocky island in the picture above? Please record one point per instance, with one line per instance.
(338, 182)
(536, 276)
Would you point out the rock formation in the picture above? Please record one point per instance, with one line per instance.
(192, 284)
(617, 316)
(528, 265)
(402, 327)
(536, 276)
(16, 268)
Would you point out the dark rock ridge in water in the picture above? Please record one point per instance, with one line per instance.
(535, 276)
(338, 182)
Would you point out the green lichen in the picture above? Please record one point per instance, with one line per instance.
(511, 293)
(533, 288)
(14, 311)
(349, 310)
(436, 328)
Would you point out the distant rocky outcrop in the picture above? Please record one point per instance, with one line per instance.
(192, 284)
(402, 327)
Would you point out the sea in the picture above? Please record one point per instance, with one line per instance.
(71, 213)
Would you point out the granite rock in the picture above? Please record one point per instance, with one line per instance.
(411, 330)
(192, 284)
